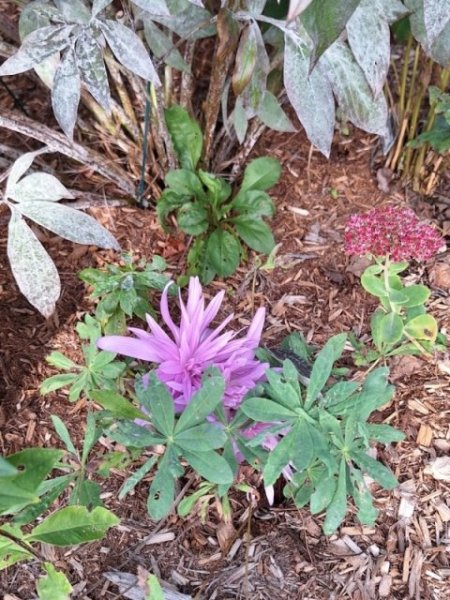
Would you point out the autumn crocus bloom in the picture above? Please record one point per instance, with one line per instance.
(391, 231)
(192, 346)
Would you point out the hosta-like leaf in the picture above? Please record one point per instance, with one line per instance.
(187, 20)
(324, 21)
(20, 166)
(261, 174)
(223, 252)
(129, 50)
(39, 186)
(271, 114)
(436, 15)
(310, 94)
(66, 93)
(186, 136)
(352, 91)
(92, 69)
(74, 525)
(439, 49)
(163, 47)
(33, 269)
(390, 329)
(69, 223)
(154, 7)
(255, 233)
(36, 47)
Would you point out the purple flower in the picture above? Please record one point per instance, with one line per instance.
(193, 346)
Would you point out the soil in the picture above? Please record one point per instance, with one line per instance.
(265, 550)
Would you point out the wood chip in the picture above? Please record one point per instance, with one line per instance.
(425, 435)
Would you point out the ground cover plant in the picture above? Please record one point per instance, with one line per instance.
(191, 406)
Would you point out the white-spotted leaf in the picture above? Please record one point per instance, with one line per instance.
(92, 69)
(33, 269)
(20, 166)
(66, 93)
(436, 14)
(39, 186)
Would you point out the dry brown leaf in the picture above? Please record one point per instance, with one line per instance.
(440, 275)
(439, 468)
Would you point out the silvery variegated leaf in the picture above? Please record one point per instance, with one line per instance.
(310, 94)
(92, 69)
(153, 7)
(162, 47)
(36, 47)
(129, 50)
(272, 115)
(99, 5)
(69, 223)
(296, 7)
(392, 10)
(186, 20)
(245, 59)
(33, 269)
(352, 91)
(66, 93)
(39, 186)
(436, 15)
(369, 37)
(254, 91)
(198, 3)
(240, 120)
(74, 11)
(439, 49)
(20, 166)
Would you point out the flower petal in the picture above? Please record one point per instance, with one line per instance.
(128, 347)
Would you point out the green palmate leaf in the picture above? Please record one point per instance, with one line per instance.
(186, 136)
(375, 469)
(32, 512)
(117, 404)
(33, 464)
(91, 435)
(54, 586)
(278, 459)
(203, 402)
(10, 552)
(137, 476)
(338, 506)
(303, 496)
(323, 494)
(367, 513)
(58, 360)
(373, 284)
(162, 491)
(192, 218)
(201, 438)
(87, 494)
(325, 20)
(13, 498)
(64, 434)
(223, 252)
(390, 329)
(265, 411)
(384, 433)
(339, 393)
(255, 233)
(375, 393)
(210, 465)
(131, 435)
(302, 450)
(422, 327)
(261, 174)
(322, 367)
(74, 525)
(157, 399)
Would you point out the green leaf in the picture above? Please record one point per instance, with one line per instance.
(302, 450)
(10, 552)
(192, 218)
(373, 284)
(375, 469)
(87, 494)
(137, 476)
(13, 498)
(54, 586)
(210, 465)
(323, 494)
(253, 202)
(201, 438)
(117, 404)
(220, 188)
(367, 513)
(322, 367)
(155, 590)
(203, 402)
(49, 490)
(261, 174)
(64, 434)
(376, 323)
(131, 435)
(390, 329)
(157, 399)
(416, 294)
(57, 382)
(255, 233)
(265, 411)
(74, 525)
(384, 433)
(223, 252)
(324, 21)
(184, 183)
(338, 506)
(186, 136)
(6, 469)
(278, 458)
(58, 360)
(91, 435)
(162, 491)
(422, 327)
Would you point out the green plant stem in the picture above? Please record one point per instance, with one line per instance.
(404, 76)
(22, 544)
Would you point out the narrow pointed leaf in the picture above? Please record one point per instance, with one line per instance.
(19, 167)
(66, 93)
(186, 136)
(323, 365)
(271, 114)
(338, 506)
(436, 16)
(203, 402)
(63, 434)
(39, 186)
(210, 465)
(92, 69)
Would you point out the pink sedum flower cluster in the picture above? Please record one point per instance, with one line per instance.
(192, 346)
(393, 231)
